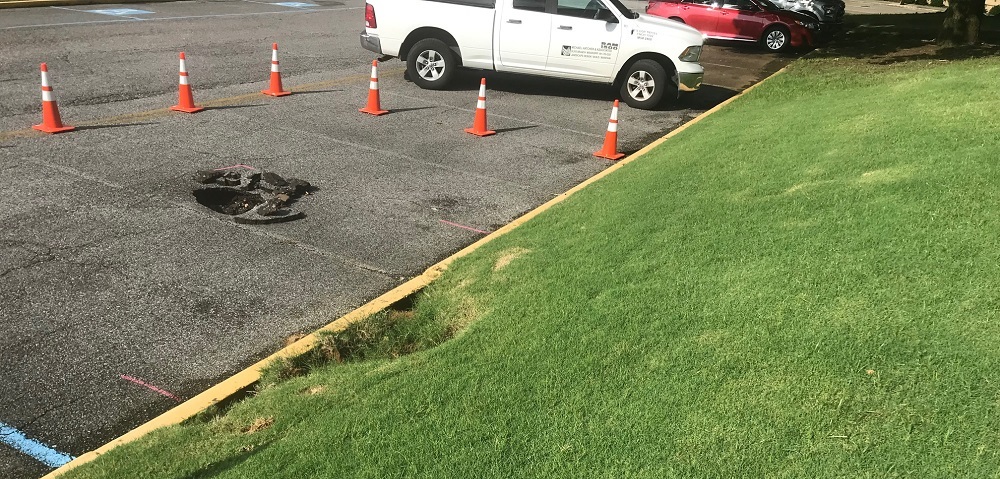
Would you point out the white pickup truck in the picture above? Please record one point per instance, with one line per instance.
(589, 40)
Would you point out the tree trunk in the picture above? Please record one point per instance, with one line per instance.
(961, 22)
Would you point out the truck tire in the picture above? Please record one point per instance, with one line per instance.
(644, 85)
(431, 64)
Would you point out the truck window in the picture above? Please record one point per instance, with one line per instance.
(532, 5)
(580, 8)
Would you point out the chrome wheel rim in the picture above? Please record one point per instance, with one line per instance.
(641, 85)
(775, 40)
(430, 65)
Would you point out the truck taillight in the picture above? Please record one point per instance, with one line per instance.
(370, 16)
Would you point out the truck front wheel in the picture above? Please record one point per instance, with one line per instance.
(644, 85)
(430, 64)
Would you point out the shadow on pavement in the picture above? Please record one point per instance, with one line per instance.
(888, 39)
(468, 80)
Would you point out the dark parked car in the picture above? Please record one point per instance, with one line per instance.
(826, 11)
(746, 20)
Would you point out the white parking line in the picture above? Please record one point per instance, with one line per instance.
(186, 17)
(97, 12)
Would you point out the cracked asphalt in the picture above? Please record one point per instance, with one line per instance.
(115, 282)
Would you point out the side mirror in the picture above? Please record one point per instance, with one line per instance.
(607, 16)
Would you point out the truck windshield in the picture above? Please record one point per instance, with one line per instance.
(622, 8)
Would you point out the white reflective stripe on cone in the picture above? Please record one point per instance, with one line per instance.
(482, 90)
(374, 72)
(274, 55)
(613, 127)
(481, 104)
(373, 85)
(184, 65)
(274, 67)
(184, 80)
(614, 113)
(45, 79)
(47, 95)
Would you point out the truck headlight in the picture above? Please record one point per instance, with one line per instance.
(691, 54)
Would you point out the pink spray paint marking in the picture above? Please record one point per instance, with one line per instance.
(465, 227)
(150, 387)
(236, 166)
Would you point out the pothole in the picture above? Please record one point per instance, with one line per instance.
(227, 201)
(249, 195)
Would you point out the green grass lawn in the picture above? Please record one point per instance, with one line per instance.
(805, 284)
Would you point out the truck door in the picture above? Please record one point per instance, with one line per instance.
(523, 35)
(585, 37)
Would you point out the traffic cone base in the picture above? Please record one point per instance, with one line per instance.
(187, 109)
(480, 132)
(50, 129)
(609, 156)
(373, 111)
(276, 93)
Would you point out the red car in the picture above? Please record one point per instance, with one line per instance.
(747, 20)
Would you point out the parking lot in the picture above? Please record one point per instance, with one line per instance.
(122, 295)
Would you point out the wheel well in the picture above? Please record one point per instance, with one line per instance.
(656, 57)
(676, 19)
(777, 25)
(429, 32)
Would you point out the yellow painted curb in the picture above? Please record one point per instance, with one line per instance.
(250, 375)
(65, 3)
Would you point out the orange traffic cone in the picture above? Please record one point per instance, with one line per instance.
(479, 124)
(185, 100)
(51, 122)
(373, 107)
(275, 89)
(610, 149)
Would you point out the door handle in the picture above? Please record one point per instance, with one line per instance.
(565, 27)
(515, 22)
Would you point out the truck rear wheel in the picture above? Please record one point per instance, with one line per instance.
(644, 85)
(431, 64)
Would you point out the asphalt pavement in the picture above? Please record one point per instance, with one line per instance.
(122, 295)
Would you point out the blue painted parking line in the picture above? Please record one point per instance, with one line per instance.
(295, 4)
(118, 12)
(43, 453)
